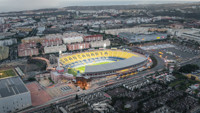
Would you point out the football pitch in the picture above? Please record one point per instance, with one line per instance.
(81, 69)
(7, 73)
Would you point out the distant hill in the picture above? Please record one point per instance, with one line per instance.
(118, 7)
(125, 7)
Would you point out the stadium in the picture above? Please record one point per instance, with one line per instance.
(100, 63)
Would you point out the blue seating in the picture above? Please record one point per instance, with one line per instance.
(89, 61)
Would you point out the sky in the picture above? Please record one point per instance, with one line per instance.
(19, 5)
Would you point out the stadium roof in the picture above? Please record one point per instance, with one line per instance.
(11, 86)
(115, 65)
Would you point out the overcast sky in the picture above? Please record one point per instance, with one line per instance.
(17, 5)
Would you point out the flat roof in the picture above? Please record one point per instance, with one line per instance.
(115, 65)
(142, 37)
(11, 86)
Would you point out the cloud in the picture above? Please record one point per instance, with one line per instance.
(17, 5)
(12, 5)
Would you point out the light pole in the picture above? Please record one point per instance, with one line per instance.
(104, 45)
(81, 47)
(60, 53)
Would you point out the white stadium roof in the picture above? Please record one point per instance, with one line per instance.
(115, 65)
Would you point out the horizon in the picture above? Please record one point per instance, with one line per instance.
(63, 3)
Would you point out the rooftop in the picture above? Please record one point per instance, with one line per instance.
(11, 86)
(142, 37)
(90, 36)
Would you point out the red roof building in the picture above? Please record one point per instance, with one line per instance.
(27, 50)
(93, 38)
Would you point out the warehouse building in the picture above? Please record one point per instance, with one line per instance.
(186, 34)
(191, 34)
(133, 38)
(140, 30)
(13, 95)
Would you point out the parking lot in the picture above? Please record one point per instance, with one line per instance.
(175, 54)
(172, 52)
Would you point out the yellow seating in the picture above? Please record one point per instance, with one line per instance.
(95, 54)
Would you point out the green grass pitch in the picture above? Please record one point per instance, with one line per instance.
(82, 68)
(7, 73)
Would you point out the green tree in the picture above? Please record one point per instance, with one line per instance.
(188, 68)
(39, 46)
(76, 97)
(31, 79)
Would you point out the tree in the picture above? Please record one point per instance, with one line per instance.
(39, 46)
(76, 97)
(31, 79)
(188, 68)
(175, 67)
(156, 73)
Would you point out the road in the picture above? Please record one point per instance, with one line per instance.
(190, 61)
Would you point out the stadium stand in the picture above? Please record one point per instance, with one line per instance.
(86, 57)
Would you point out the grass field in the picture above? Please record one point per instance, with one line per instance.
(81, 69)
(7, 73)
